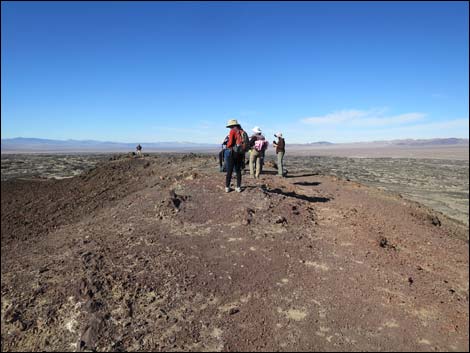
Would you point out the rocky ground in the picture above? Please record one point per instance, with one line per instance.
(48, 166)
(441, 184)
(151, 254)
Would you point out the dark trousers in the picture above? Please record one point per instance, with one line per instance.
(234, 160)
(261, 161)
(221, 158)
(226, 158)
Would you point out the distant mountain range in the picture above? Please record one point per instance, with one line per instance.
(321, 143)
(21, 144)
(431, 142)
(404, 142)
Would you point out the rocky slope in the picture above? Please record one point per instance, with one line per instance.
(151, 254)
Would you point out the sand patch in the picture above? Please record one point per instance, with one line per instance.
(318, 266)
(424, 341)
(216, 333)
(293, 314)
(234, 239)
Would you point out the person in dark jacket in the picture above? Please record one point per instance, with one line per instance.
(280, 146)
(139, 150)
(223, 154)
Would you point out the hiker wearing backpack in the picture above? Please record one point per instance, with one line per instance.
(258, 145)
(223, 155)
(238, 144)
(280, 151)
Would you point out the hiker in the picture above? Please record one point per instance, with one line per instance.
(139, 150)
(238, 144)
(223, 154)
(280, 151)
(258, 145)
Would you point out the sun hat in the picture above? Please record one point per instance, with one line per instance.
(256, 130)
(279, 134)
(232, 122)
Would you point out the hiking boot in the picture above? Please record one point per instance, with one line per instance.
(238, 189)
(227, 189)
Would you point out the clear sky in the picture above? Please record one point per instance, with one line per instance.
(177, 71)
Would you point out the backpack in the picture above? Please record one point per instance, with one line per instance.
(261, 145)
(242, 142)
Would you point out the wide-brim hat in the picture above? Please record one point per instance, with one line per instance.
(232, 122)
(279, 134)
(256, 130)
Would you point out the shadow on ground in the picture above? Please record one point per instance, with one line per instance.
(307, 183)
(295, 195)
(301, 175)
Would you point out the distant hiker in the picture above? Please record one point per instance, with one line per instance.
(238, 144)
(258, 146)
(280, 151)
(223, 155)
(139, 150)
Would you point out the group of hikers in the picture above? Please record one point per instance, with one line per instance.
(234, 148)
(237, 144)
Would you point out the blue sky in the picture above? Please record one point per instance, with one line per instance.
(156, 71)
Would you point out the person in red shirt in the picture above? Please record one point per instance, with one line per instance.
(235, 159)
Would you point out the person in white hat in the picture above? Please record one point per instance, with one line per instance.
(280, 151)
(258, 145)
(237, 141)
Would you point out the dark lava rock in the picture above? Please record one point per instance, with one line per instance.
(233, 311)
(91, 333)
(435, 221)
(383, 242)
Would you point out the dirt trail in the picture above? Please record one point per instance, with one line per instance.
(151, 254)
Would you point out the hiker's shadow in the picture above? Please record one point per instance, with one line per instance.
(269, 172)
(301, 175)
(308, 183)
(295, 195)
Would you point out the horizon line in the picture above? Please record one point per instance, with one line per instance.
(207, 143)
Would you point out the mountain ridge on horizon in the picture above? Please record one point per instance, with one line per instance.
(24, 144)
(34, 144)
